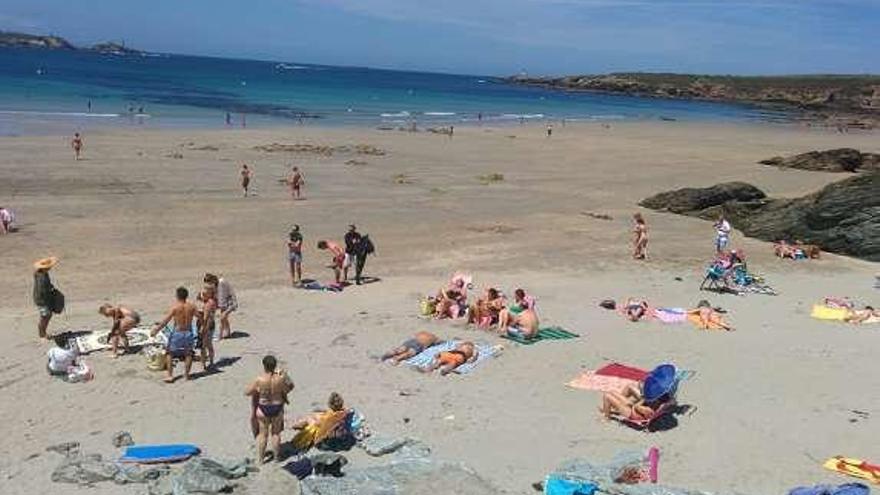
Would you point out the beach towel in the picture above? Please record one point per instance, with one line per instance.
(715, 323)
(557, 485)
(546, 333)
(854, 467)
(99, 341)
(589, 380)
(623, 371)
(845, 489)
(330, 287)
(823, 312)
(152, 454)
(424, 358)
(670, 315)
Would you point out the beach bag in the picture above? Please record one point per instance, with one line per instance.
(80, 372)
(56, 302)
(428, 306)
(368, 246)
(155, 360)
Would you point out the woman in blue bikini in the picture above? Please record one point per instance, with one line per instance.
(270, 390)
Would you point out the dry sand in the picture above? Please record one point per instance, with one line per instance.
(147, 211)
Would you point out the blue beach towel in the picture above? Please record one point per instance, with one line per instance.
(487, 351)
(424, 358)
(557, 485)
(151, 454)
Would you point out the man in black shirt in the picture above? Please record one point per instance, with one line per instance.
(352, 249)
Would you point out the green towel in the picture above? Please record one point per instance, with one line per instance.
(546, 333)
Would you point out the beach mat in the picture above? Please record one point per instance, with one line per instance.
(330, 287)
(615, 377)
(546, 333)
(153, 454)
(623, 371)
(822, 312)
(854, 467)
(99, 341)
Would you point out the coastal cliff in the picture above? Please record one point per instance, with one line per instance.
(852, 100)
(24, 40)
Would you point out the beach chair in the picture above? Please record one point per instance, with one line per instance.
(716, 279)
(646, 425)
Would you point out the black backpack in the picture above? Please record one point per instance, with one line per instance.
(56, 303)
(367, 245)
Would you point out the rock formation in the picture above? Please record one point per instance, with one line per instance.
(836, 160)
(22, 40)
(843, 217)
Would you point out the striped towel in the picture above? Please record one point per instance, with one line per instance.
(486, 350)
(425, 358)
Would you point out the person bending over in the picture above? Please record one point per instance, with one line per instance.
(124, 319)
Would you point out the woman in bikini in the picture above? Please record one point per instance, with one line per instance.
(124, 319)
(410, 347)
(270, 390)
(486, 310)
(640, 237)
(629, 403)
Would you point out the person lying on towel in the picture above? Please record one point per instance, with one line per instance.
(321, 425)
(862, 315)
(446, 362)
(411, 347)
(707, 318)
(485, 311)
(631, 403)
(635, 309)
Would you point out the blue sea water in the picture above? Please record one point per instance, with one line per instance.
(43, 90)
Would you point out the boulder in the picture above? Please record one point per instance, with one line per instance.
(691, 200)
(843, 217)
(836, 160)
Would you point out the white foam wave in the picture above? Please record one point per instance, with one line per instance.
(440, 114)
(394, 115)
(57, 114)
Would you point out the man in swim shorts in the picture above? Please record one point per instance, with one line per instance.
(447, 362)
(410, 347)
(523, 324)
(180, 342)
(295, 181)
(341, 260)
(124, 319)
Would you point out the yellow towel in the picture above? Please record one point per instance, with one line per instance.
(822, 312)
(854, 467)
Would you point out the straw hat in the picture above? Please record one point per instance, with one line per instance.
(45, 263)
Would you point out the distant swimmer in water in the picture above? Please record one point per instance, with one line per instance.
(77, 144)
(246, 174)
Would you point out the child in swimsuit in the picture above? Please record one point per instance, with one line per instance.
(446, 362)
(410, 347)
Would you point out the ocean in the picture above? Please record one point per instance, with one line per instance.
(44, 91)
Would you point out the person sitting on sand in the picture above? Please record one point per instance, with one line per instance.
(124, 319)
(523, 324)
(180, 342)
(634, 310)
(340, 259)
(707, 318)
(448, 361)
(630, 403)
(271, 389)
(320, 425)
(640, 237)
(61, 357)
(411, 347)
(521, 302)
(862, 315)
(485, 312)
(6, 220)
(452, 299)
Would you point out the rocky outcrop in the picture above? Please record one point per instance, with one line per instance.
(22, 40)
(113, 48)
(689, 200)
(843, 217)
(836, 160)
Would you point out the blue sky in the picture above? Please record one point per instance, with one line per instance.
(486, 36)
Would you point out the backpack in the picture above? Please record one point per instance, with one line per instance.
(368, 246)
(56, 303)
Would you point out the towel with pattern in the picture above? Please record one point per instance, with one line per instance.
(424, 358)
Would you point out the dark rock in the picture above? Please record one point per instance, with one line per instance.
(836, 160)
(843, 217)
(690, 200)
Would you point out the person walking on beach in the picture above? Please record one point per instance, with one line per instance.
(294, 254)
(180, 342)
(77, 144)
(47, 298)
(207, 325)
(295, 180)
(722, 234)
(352, 248)
(268, 393)
(226, 301)
(246, 174)
(640, 237)
(549, 130)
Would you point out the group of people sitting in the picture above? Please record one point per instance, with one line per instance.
(446, 361)
(269, 394)
(797, 250)
(491, 309)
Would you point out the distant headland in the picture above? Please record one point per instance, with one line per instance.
(844, 100)
(51, 42)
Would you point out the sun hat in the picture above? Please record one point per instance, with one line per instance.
(46, 263)
(659, 382)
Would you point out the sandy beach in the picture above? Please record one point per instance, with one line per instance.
(147, 211)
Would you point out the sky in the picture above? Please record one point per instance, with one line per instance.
(486, 37)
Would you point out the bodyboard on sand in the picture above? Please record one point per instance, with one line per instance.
(153, 454)
(546, 333)
(854, 467)
(822, 312)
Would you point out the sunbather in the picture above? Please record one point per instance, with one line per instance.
(523, 324)
(446, 362)
(486, 310)
(410, 347)
(320, 425)
(862, 315)
(629, 403)
(124, 319)
(635, 310)
(707, 318)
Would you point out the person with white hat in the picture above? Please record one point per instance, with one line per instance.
(46, 296)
